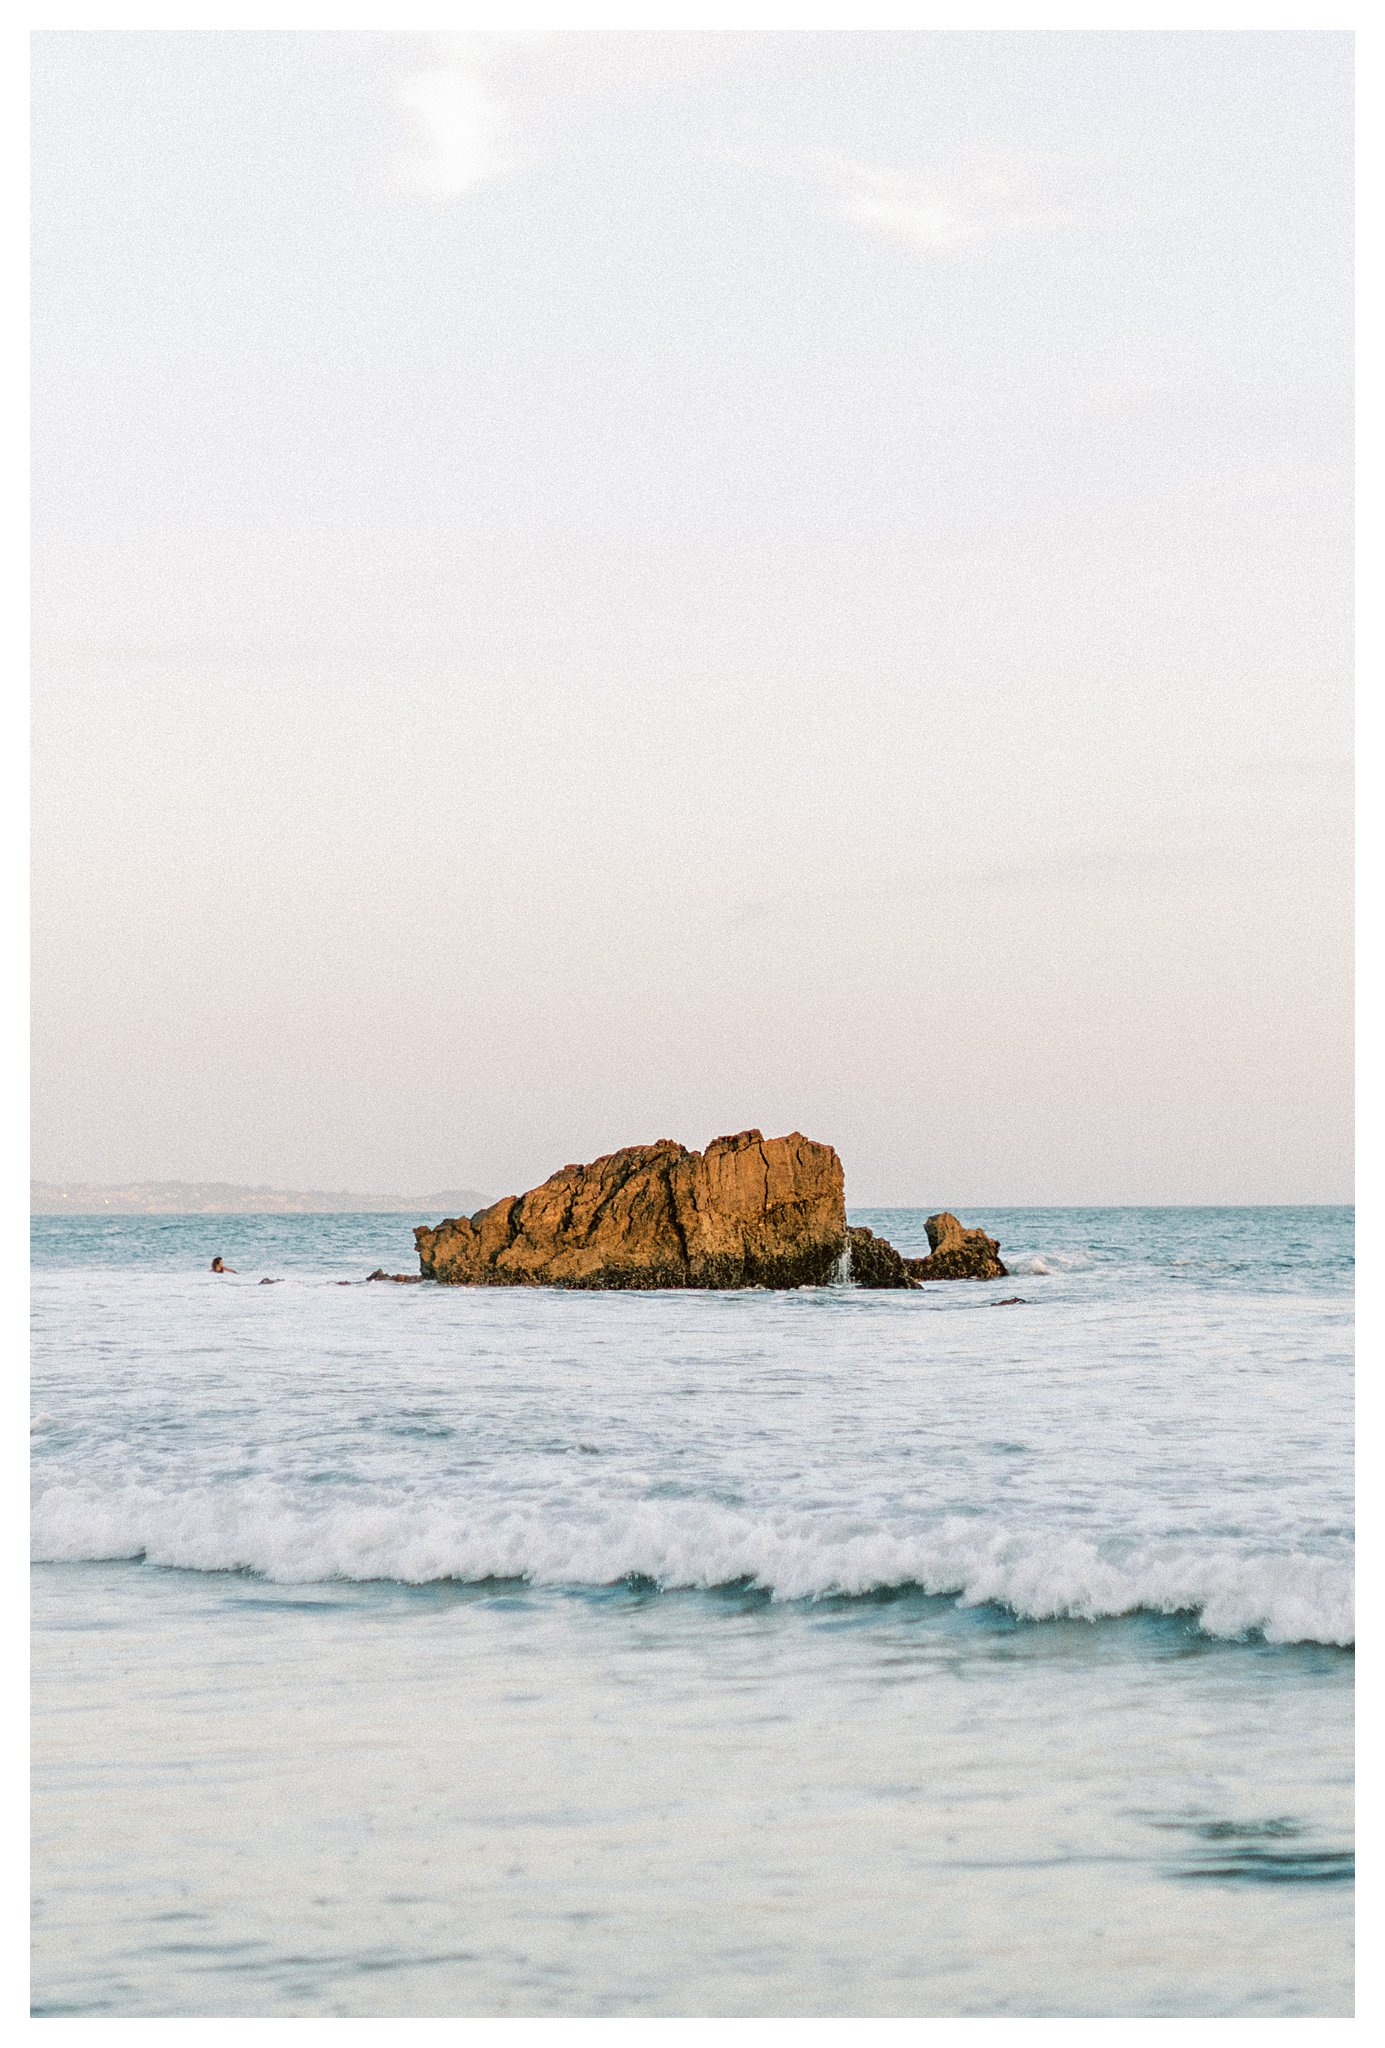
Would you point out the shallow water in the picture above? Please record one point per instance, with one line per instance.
(410, 1650)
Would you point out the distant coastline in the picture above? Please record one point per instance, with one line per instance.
(227, 1198)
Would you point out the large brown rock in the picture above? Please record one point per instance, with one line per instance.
(874, 1260)
(747, 1212)
(956, 1253)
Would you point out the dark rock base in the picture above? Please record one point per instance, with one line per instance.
(874, 1260)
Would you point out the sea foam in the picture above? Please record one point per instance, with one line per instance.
(261, 1527)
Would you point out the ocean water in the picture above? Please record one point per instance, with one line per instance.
(425, 1651)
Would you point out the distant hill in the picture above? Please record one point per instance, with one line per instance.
(224, 1198)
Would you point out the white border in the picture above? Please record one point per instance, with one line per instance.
(534, 15)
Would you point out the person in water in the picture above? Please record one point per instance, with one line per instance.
(218, 1266)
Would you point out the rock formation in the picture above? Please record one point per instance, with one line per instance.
(747, 1212)
(874, 1260)
(956, 1253)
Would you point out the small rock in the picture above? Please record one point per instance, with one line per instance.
(956, 1253)
(874, 1260)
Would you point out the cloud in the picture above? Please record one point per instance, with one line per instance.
(486, 103)
(466, 133)
(943, 210)
(489, 102)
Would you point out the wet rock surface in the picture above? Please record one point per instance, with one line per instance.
(874, 1260)
(748, 1212)
(956, 1253)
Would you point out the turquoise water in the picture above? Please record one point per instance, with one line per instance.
(405, 1650)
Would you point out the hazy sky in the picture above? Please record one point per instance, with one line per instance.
(592, 588)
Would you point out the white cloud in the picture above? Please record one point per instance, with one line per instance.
(491, 101)
(941, 210)
(466, 132)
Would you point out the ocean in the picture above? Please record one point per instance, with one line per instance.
(424, 1651)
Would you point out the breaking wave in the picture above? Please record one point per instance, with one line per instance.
(1286, 1596)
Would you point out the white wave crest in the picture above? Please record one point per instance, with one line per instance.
(1288, 1596)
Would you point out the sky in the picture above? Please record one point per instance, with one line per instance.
(598, 587)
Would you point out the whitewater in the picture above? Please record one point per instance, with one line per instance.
(647, 1539)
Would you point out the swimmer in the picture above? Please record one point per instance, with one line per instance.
(219, 1267)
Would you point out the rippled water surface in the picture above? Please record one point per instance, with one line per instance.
(417, 1650)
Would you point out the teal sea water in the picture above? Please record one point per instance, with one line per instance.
(409, 1650)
